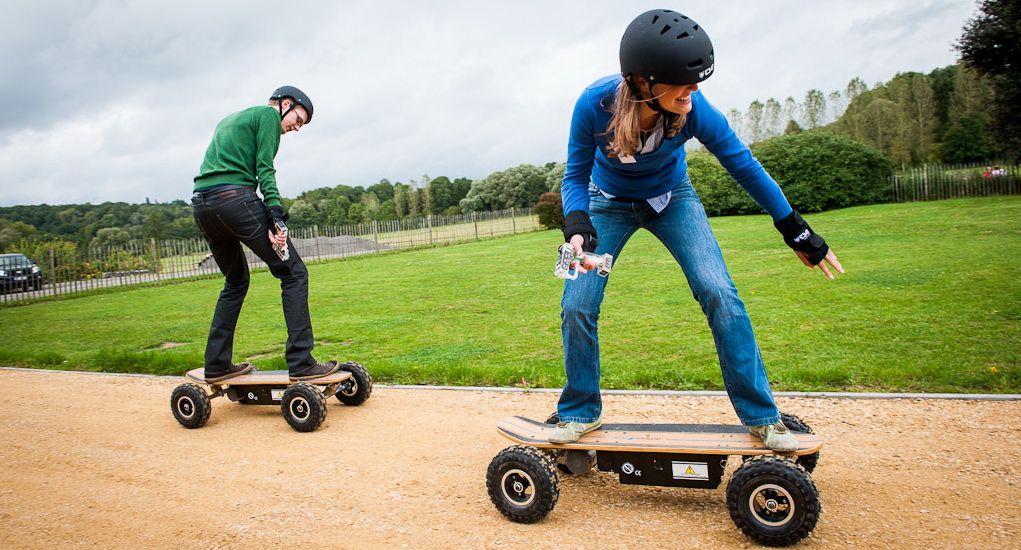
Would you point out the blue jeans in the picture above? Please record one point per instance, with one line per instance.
(684, 228)
(229, 216)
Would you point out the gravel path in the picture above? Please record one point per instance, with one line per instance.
(94, 461)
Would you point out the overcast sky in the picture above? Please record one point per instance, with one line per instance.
(115, 100)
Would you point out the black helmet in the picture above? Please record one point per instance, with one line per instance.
(295, 95)
(665, 47)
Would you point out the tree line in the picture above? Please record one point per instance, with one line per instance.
(85, 225)
(962, 113)
(943, 116)
(115, 224)
(382, 201)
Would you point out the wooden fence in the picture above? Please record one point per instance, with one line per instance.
(939, 182)
(69, 271)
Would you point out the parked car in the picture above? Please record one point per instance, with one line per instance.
(17, 272)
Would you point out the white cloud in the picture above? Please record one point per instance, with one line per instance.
(116, 99)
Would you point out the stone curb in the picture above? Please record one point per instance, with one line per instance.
(666, 393)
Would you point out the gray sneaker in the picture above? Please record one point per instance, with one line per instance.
(569, 432)
(776, 436)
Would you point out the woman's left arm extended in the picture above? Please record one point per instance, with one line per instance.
(713, 130)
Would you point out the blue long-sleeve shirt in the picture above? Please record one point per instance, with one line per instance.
(655, 173)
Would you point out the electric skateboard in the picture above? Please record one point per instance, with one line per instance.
(303, 404)
(771, 497)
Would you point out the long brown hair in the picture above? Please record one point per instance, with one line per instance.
(624, 129)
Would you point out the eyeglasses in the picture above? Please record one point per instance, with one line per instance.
(298, 120)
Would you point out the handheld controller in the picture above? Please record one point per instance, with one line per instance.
(563, 268)
(281, 249)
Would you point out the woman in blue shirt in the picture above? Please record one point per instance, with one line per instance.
(626, 170)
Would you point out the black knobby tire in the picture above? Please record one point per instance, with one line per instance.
(303, 406)
(796, 424)
(356, 389)
(773, 501)
(523, 483)
(190, 404)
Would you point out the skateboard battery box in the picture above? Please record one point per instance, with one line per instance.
(664, 469)
(255, 395)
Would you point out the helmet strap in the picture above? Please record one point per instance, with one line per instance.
(653, 102)
(280, 108)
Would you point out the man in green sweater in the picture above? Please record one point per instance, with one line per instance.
(227, 209)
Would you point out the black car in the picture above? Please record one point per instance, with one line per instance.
(17, 272)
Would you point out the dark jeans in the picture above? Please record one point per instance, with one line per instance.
(229, 216)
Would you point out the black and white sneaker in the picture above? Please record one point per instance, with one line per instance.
(319, 370)
(237, 369)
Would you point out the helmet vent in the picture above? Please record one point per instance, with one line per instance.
(682, 35)
(695, 64)
(666, 28)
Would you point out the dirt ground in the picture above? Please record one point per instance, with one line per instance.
(98, 461)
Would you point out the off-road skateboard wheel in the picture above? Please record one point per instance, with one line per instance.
(190, 404)
(797, 425)
(356, 389)
(303, 406)
(773, 501)
(523, 483)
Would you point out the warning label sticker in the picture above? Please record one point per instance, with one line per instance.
(691, 470)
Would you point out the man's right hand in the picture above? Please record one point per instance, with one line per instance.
(279, 239)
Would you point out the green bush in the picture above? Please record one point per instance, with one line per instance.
(816, 172)
(823, 172)
(719, 193)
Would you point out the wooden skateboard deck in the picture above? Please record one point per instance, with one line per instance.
(265, 378)
(714, 439)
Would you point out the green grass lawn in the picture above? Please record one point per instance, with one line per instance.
(931, 302)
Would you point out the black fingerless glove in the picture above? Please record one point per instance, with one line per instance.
(799, 236)
(277, 213)
(579, 223)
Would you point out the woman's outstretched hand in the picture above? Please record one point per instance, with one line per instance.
(830, 258)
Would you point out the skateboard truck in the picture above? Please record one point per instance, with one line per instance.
(281, 249)
(564, 270)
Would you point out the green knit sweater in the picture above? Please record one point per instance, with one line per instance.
(242, 151)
